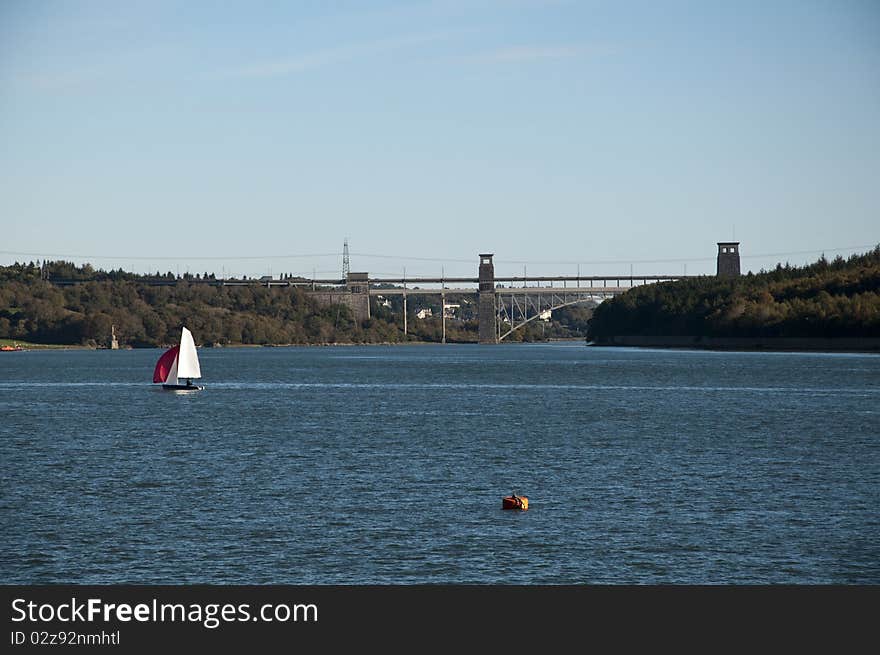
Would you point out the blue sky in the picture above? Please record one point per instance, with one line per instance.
(618, 135)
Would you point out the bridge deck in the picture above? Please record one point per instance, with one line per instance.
(563, 280)
(502, 291)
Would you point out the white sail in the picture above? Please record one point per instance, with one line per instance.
(172, 373)
(187, 359)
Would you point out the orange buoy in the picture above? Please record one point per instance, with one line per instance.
(515, 502)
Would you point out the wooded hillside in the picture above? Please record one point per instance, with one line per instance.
(839, 298)
(34, 309)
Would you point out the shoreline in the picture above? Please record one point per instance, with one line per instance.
(748, 344)
(25, 347)
(868, 345)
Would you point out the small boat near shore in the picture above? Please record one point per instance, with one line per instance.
(179, 363)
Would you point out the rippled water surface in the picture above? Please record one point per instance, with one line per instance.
(359, 465)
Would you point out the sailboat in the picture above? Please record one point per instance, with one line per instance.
(179, 363)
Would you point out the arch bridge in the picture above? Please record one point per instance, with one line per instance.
(507, 304)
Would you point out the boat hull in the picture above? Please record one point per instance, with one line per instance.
(182, 387)
(515, 502)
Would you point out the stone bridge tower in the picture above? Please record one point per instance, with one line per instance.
(358, 287)
(728, 259)
(486, 314)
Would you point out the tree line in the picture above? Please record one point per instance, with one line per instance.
(839, 298)
(33, 309)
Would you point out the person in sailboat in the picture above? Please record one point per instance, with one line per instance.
(178, 364)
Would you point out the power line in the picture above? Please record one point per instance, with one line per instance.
(613, 261)
(469, 260)
(165, 258)
(688, 259)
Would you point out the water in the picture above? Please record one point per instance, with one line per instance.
(358, 465)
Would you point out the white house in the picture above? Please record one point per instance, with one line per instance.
(449, 309)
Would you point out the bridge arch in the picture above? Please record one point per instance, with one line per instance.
(577, 301)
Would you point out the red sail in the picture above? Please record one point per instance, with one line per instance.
(163, 366)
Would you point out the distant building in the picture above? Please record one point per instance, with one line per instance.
(424, 313)
(449, 309)
(728, 259)
(545, 315)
